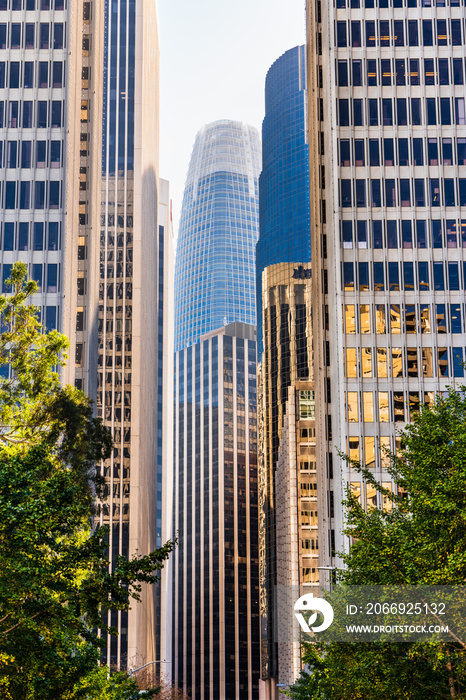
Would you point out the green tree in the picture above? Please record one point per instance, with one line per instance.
(54, 569)
(420, 540)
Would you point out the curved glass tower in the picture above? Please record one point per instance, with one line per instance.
(215, 261)
(285, 233)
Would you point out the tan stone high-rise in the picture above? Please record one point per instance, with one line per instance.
(80, 201)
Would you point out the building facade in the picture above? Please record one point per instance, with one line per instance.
(79, 205)
(388, 182)
(285, 349)
(215, 630)
(215, 273)
(215, 582)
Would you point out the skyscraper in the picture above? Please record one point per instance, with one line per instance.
(80, 206)
(214, 275)
(388, 181)
(215, 632)
(286, 469)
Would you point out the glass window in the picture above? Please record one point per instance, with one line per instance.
(343, 112)
(55, 148)
(440, 318)
(459, 111)
(57, 74)
(342, 73)
(392, 235)
(41, 149)
(403, 152)
(14, 74)
(363, 276)
(58, 35)
(400, 71)
(374, 159)
(373, 112)
(348, 276)
(413, 36)
(52, 278)
(357, 73)
(455, 318)
(449, 191)
(37, 275)
(390, 197)
(379, 277)
(453, 277)
(42, 114)
(2, 36)
(458, 369)
(408, 277)
(393, 277)
(12, 154)
(401, 111)
(462, 187)
(425, 318)
(386, 68)
(53, 236)
(406, 234)
(380, 321)
(8, 236)
(399, 38)
(25, 195)
(28, 80)
(38, 236)
(431, 112)
(443, 72)
(346, 200)
(432, 151)
(43, 75)
(384, 413)
(447, 152)
(387, 112)
(427, 36)
(358, 113)
(416, 113)
(27, 114)
(350, 319)
(458, 71)
(429, 74)
(439, 283)
(6, 272)
(23, 236)
(414, 71)
(436, 230)
(451, 233)
(455, 32)
(388, 152)
(15, 39)
(360, 193)
(54, 194)
(434, 192)
(345, 152)
(43, 36)
(445, 112)
(39, 198)
(351, 363)
(56, 114)
(353, 414)
(384, 32)
(397, 362)
(423, 275)
(341, 34)
(419, 194)
(418, 155)
(368, 406)
(10, 195)
(359, 158)
(362, 234)
(376, 197)
(29, 36)
(347, 233)
(442, 39)
(356, 33)
(371, 72)
(370, 33)
(443, 362)
(395, 318)
(377, 236)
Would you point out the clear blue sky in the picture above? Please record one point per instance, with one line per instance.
(214, 57)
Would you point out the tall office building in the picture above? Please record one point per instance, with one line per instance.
(285, 358)
(214, 275)
(388, 181)
(215, 631)
(79, 206)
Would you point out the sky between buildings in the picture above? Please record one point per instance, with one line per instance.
(214, 57)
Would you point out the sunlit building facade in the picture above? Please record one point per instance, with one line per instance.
(215, 272)
(388, 181)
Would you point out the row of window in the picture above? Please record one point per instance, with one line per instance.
(30, 74)
(403, 318)
(25, 35)
(395, 363)
(393, 233)
(402, 152)
(399, 71)
(395, 406)
(19, 195)
(355, 4)
(26, 236)
(30, 154)
(401, 111)
(32, 5)
(398, 32)
(406, 276)
(46, 276)
(28, 113)
(402, 192)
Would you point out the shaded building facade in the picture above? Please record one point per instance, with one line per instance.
(285, 344)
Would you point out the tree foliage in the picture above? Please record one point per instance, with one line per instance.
(54, 569)
(420, 540)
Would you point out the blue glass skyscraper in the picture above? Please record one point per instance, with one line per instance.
(215, 269)
(284, 182)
